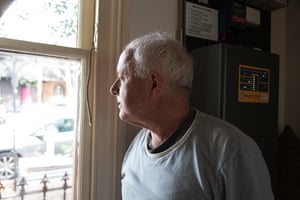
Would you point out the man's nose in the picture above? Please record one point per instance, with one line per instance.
(114, 89)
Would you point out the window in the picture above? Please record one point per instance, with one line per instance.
(40, 97)
(100, 131)
(42, 87)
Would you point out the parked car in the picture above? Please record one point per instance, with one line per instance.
(55, 138)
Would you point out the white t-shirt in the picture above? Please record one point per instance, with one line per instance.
(212, 161)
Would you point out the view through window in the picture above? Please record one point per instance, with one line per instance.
(38, 101)
(38, 112)
(43, 21)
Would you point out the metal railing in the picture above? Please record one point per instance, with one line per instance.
(41, 193)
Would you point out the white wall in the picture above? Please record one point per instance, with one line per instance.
(292, 80)
(286, 42)
(278, 46)
(148, 16)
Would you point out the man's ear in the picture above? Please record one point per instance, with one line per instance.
(157, 83)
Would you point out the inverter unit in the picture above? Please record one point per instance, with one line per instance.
(240, 85)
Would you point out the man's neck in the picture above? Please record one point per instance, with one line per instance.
(167, 124)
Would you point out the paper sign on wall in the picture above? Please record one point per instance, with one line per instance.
(201, 22)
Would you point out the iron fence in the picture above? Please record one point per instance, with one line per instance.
(21, 193)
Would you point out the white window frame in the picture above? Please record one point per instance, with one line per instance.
(109, 134)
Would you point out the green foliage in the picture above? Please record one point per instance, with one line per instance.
(67, 12)
(25, 82)
(46, 21)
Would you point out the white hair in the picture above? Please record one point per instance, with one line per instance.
(161, 52)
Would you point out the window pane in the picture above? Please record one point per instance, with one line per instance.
(43, 21)
(38, 121)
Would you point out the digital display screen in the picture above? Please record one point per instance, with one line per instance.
(254, 84)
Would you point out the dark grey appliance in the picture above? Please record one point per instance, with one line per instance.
(240, 85)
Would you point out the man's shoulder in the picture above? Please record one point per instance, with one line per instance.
(213, 132)
(213, 126)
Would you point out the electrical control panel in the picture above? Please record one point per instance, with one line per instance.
(254, 84)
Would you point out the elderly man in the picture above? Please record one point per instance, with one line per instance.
(180, 152)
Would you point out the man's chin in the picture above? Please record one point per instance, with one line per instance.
(123, 117)
(128, 120)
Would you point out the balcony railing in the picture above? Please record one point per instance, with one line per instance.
(22, 190)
